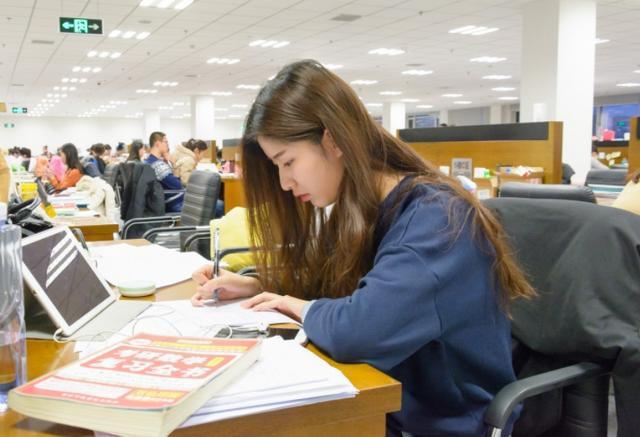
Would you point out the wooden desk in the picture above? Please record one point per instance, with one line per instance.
(93, 228)
(363, 415)
(233, 192)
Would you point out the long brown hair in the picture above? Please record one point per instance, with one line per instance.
(307, 252)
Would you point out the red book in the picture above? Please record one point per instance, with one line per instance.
(144, 385)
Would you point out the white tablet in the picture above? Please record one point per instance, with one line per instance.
(63, 279)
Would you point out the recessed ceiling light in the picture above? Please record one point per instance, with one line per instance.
(363, 82)
(243, 86)
(115, 55)
(239, 106)
(462, 102)
(163, 4)
(268, 43)
(115, 33)
(103, 54)
(142, 35)
(92, 53)
(473, 30)
(488, 59)
(222, 61)
(600, 41)
(374, 105)
(333, 66)
(410, 100)
(182, 4)
(417, 72)
(503, 88)
(390, 93)
(221, 93)
(508, 98)
(452, 95)
(497, 77)
(386, 52)
(424, 106)
(629, 84)
(128, 34)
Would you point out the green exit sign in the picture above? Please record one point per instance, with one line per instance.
(90, 26)
(18, 110)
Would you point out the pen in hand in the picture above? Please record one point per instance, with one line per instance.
(216, 261)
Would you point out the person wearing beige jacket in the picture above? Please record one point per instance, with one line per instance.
(186, 157)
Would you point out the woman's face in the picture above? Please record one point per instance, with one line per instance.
(63, 157)
(313, 172)
(141, 153)
(198, 154)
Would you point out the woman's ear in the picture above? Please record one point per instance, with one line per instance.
(330, 145)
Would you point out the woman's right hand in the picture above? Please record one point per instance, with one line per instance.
(229, 285)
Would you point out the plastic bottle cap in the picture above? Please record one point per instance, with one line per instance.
(137, 288)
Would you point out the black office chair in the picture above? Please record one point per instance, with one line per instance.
(203, 190)
(547, 191)
(606, 177)
(109, 174)
(584, 261)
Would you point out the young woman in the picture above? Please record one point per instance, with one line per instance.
(407, 272)
(69, 157)
(136, 151)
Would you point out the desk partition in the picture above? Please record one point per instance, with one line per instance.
(529, 144)
(231, 149)
(634, 145)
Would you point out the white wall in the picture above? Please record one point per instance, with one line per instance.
(34, 132)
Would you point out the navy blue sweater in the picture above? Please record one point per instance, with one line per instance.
(426, 314)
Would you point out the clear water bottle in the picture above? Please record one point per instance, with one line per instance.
(13, 351)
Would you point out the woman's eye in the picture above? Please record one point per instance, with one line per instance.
(288, 163)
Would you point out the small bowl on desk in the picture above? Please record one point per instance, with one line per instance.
(137, 288)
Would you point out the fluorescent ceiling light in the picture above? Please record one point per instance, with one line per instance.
(163, 4)
(115, 33)
(473, 30)
(386, 52)
(374, 105)
(497, 77)
(182, 4)
(452, 95)
(462, 102)
(96, 70)
(390, 93)
(333, 66)
(220, 109)
(115, 55)
(600, 41)
(424, 106)
(222, 61)
(221, 93)
(92, 53)
(268, 43)
(239, 106)
(629, 84)
(128, 34)
(235, 116)
(488, 59)
(86, 69)
(410, 100)
(146, 3)
(508, 98)
(417, 72)
(76, 69)
(142, 35)
(248, 87)
(363, 82)
(503, 88)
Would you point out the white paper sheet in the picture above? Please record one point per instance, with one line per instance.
(122, 263)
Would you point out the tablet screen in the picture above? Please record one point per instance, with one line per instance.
(63, 274)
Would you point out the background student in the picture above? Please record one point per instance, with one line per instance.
(73, 173)
(160, 162)
(186, 158)
(408, 272)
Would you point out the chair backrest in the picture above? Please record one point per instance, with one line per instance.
(110, 174)
(203, 190)
(584, 261)
(606, 177)
(547, 191)
(140, 192)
